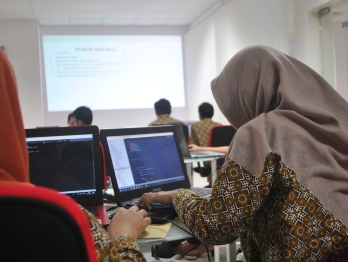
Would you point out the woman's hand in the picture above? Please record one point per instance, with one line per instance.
(131, 222)
(194, 148)
(163, 197)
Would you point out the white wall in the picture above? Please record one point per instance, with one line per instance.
(207, 47)
(211, 43)
(341, 59)
(21, 41)
(307, 32)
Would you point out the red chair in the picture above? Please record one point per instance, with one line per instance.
(39, 224)
(106, 176)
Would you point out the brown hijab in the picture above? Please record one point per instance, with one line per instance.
(13, 149)
(282, 106)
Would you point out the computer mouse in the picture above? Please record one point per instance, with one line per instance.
(190, 257)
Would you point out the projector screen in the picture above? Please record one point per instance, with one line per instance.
(112, 72)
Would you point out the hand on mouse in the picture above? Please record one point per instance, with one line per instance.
(131, 222)
(163, 197)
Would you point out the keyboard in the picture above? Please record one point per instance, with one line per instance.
(202, 191)
(156, 217)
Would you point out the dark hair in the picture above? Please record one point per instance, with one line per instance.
(206, 110)
(71, 115)
(163, 106)
(84, 114)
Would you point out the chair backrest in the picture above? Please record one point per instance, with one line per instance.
(221, 135)
(39, 224)
(186, 132)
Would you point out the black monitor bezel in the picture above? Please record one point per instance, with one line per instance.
(125, 196)
(84, 200)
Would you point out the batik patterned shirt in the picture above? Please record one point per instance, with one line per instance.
(200, 131)
(122, 248)
(276, 218)
(164, 119)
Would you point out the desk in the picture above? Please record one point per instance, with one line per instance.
(190, 161)
(174, 234)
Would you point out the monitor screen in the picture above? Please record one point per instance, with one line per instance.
(145, 160)
(64, 163)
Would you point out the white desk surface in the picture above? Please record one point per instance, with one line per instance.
(201, 159)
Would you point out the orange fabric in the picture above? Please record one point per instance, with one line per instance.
(14, 165)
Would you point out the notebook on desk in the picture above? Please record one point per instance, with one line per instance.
(184, 147)
(142, 160)
(67, 159)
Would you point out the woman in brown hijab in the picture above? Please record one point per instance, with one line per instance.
(118, 244)
(284, 185)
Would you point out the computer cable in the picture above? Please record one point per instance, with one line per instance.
(111, 208)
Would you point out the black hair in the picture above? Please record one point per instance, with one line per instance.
(84, 114)
(71, 115)
(206, 110)
(163, 106)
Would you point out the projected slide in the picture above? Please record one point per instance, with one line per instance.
(112, 72)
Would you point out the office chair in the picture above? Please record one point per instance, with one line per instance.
(220, 135)
(39, 224)
(104, 167)
(186, 132)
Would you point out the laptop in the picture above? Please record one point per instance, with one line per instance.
(67, 159)
(142, 160)
(184, 147)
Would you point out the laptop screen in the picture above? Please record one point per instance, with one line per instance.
(142, 160)
(64, 161)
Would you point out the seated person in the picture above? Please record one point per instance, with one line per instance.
(200, 130)
(283, 186)
(71, 120)
(115, 244)
(163, 109)
(192, 246)
(83, 116)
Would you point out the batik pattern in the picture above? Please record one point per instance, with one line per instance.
(200, 131)
(122, 248)
(164, 119)
(276, 218)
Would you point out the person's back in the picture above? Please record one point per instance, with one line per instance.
(83, 116)
(163, 110)
(200, 130)
(283, 186)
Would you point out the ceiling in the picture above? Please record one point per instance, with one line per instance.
(108, 12)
